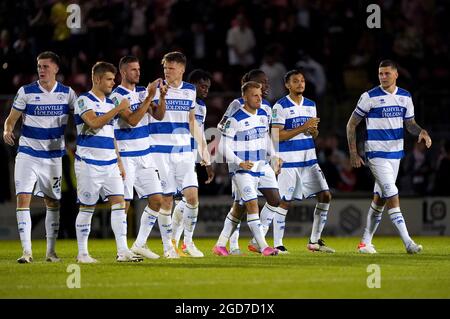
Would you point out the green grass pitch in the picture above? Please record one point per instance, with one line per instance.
(301, 274)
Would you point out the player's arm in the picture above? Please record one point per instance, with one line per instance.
(10, 123)
(199, 137)
(355, 159)
(95, 122)
(285, 135)
(225, 146)
(119, 161)
(416, 130)
(275, 159)
(158, 110)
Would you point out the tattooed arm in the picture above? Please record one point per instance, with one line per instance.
(416, 130)
(355, 159)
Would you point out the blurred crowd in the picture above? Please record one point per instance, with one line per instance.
(328, 39)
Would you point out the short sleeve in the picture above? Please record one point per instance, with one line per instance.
(19, 102)
(278, 117)
(229, 128)
(82, 105)
(116, 98)
(364, 105)
(193, 96)
(409, 109)
(72, 99)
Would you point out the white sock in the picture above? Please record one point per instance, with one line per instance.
(320, 218)
(51, 228)
(83, 228)
(190, 216)
(165, 227)
(255, 226)
(279, 223)
(373, 220)
(267, 215)
(399, 222)
(148, 219)
(229, 227)
(234, 239)
(24, 226)
(177, 221)
(119, 226)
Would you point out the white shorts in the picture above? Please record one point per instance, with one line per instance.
(176, 171)
(268, 180)
(141, 173)
(385, 172)
(38, 176)
(301, 182)
(94, 181)
(245, 187)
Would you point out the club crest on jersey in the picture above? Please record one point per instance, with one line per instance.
(60, 97)
(401, 100)
(142, 95)
(274, 113)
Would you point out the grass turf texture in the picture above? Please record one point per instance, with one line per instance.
(301, 274)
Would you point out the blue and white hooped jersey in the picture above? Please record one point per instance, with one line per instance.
(299, 151)
(172, 134)
(248, 138)
(44, 119)
(95, 146)
(236, 104)
(131, 141)
(200, 116)
(384, 113)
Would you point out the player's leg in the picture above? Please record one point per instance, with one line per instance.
(372, 222)
(147, 185)
(177, 219)
(188, 182)
(314, 184)
(51, 228)
(238, 211)
(24, 226)
(385, 172)
(190, 216)
(25, 178)
(247, 187)
(165, 225)
(119, 227)
(88, 191)
(289, 189)
(49, 186)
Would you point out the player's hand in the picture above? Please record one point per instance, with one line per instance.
(151, 87)
(123, 105)
(356, 161)
(8, 137)
(163, 90)
(313, 131)
(423, 136)
(247, 165)
(121, 169)
(276, 164)
(210, 172)
(311, 123)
